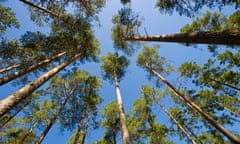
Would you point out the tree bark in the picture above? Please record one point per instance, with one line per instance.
(22, 141)
(39, 7)
(195, 107)
(9, 68)
(13, 76)
(176, 122)
(76, 138)
(125, 133)
(46, 130)
(86, 127)
(225, 37)
(9, 102)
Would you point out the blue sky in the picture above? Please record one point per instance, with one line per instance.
(130, 86)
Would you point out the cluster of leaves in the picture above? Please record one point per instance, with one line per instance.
(191, 7)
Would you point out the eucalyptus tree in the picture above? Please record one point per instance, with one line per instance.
(153, 63)
(113, 69)
(78, 39)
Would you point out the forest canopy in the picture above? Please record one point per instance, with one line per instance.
(108, 72)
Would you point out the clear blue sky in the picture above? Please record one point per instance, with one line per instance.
(154, 22)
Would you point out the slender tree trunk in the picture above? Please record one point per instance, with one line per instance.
(39, 7)
(193, 134)
(176, 122)
(9, 68)
(9, 102)
(125, 133)
(195, 107)
(30, 130)
(86, 127)
(226, 37)
(10, 118)
(46, 130)
(232, 112)
(76, 138)
(13, 76)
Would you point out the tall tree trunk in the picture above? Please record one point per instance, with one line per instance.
(77, 135)
(226, 37)
(9, 102)
(49, 126)
(86, 127)
(175, 121)
(13, 76)
(195, 107)
(125, 133)
(30, 130)
(39, 7)
(8, 68)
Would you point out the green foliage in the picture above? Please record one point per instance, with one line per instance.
(74, 34)
(126, 25)
(7, 19)
(150, 58)
(88, 9)
(114, 64)
(208, 22)
(111, 123)
(191, 7)
(213, 22)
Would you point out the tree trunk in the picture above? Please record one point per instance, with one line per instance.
(13, 76)
(176, 122)
(10, 118)
(9, 68)
(125, 133)
(9, 102)
(232, 112)
(22, 141)
(226, 37)
(86, 127)
(46, 130)
(84, 111)
(39, 7)
(195, 107)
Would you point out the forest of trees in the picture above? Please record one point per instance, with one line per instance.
(54, 92)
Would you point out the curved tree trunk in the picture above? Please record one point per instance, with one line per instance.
(46, 130)
(176, 122)
(9, 102)
(8, 68)
(125, 133)
(226, 37)
(76, 138)
(195, 107)
(13, 76)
